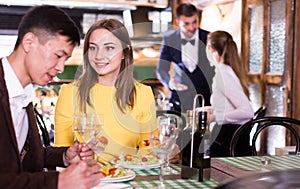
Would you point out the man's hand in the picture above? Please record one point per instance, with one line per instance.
(81, 175)
(174, 85)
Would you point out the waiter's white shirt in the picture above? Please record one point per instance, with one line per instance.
(19, 98)
(189, 52)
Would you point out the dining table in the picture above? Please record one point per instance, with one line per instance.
(230, 168)
(223, 170)
(148, 178)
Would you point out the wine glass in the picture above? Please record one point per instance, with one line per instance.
(163, 136)
(176, 122)
(84, 128)
(100, 141)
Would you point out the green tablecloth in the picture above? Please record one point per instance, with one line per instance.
(148, 172)
(253, 163)
(176, 183)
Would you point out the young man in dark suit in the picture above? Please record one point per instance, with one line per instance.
(46, 39)
(185, 47)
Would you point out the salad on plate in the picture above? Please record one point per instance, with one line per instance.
(116, 174)
(138, 161)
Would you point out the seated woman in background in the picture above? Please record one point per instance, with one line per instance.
(231, 106)
(107, 87)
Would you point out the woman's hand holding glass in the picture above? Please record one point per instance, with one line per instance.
(77, 152)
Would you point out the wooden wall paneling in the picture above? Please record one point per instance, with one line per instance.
(245, 35)
(288, 72)
(295, 99)
(289, 77)
(265, 55)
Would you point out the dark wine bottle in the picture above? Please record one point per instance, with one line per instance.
(199, 149)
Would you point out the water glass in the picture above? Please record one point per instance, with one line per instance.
(163, 137)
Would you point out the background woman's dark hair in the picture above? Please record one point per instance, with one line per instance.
(224, 44)
(48, 21)
(125, 82)
(186, 9)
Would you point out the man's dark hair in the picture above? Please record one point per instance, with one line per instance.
(47, 21)
(186, 9)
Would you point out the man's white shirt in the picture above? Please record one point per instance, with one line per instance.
(19, 98)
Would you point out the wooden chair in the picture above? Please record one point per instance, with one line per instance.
(264, 123)
(251, 129)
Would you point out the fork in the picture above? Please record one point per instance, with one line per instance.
(103, 163)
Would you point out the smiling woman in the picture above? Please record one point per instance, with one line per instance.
(107, 87)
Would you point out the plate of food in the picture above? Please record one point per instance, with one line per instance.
(136, 162)
(116, 174)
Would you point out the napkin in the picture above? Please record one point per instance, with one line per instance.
(112, 186)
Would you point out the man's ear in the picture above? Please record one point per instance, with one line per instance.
(28, 40)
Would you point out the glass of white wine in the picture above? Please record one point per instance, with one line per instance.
(84, 128)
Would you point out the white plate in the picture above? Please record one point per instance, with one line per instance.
(130, 174)
(107, 185)
(138, 164)
(138, 167)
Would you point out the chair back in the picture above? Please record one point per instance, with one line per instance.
(264, 123)
(261, 112)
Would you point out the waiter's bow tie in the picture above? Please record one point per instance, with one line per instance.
(184, 41)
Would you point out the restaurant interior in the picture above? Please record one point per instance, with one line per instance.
(266, 33)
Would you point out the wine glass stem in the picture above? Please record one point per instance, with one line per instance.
(167, 163)
(161, 177)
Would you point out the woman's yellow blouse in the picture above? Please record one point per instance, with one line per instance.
(125, 131)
